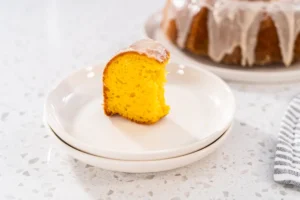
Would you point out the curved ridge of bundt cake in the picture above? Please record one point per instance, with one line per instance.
(133, 82)
(238, 32)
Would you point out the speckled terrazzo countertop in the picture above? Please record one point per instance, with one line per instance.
(41, 41)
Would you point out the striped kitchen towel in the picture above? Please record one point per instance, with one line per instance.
(287, 157)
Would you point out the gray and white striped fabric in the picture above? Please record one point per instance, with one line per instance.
(287, 157)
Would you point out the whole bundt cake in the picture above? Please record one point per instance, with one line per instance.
(242, 32)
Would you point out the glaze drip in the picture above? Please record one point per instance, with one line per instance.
(150, 48)
(233, 23)
(241, 30)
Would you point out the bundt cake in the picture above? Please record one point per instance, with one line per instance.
(133, 82)
(241, 32)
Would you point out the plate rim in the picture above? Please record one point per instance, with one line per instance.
(201, 153)
(108, 153)
(225, 73)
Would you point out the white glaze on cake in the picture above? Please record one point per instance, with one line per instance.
(150, 48)
(233, 23)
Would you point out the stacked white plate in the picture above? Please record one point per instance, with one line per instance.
(200, 120)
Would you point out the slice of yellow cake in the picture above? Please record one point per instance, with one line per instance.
(133, 82)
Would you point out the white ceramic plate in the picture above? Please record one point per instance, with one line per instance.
(143, 166)
(273, 73)
(202, 108)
